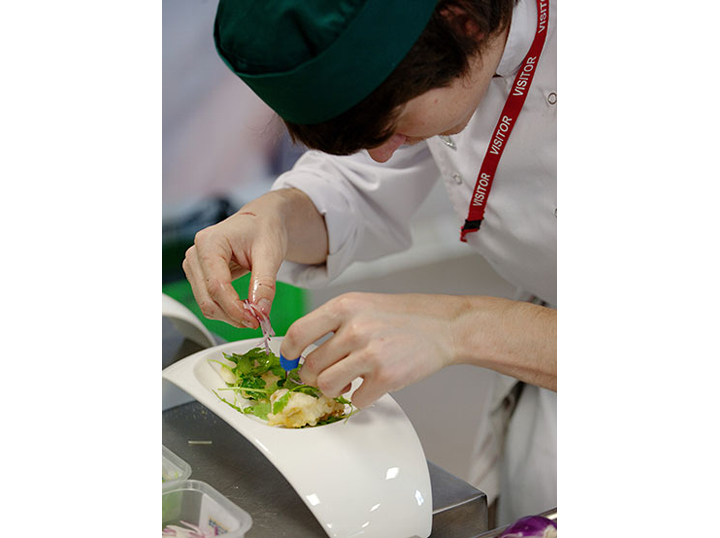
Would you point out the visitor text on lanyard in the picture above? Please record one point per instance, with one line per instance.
(505, 124)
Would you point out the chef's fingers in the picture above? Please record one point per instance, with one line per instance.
(337, 378)
(332, 350)
(365, 363)
(266, 260)
(237, 271)
(369, 392)
(209, 308)
(214, 257)
(309, 329)
(333, 381)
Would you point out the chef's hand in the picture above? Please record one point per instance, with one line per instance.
(247, 241)
(389, 340)
(392, 341)
(255, 239)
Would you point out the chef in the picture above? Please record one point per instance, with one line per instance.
(390, 99)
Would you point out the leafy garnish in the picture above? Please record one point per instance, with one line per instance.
(252, 383)
(261, 410)
(230, 404)
(281, 402)
(244, 376)
(342, 400)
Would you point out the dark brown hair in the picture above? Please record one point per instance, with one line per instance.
(440, 55)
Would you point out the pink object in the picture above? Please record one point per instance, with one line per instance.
(264, 322)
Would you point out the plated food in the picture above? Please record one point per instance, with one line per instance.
(256, 384)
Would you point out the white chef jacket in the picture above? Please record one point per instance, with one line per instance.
(367, 208)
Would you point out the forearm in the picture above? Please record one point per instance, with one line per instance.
(514, 338)
(303, 225)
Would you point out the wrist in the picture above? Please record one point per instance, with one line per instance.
(476, 329)
(511, 337)
(301, 225)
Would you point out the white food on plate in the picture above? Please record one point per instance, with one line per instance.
(303, 409)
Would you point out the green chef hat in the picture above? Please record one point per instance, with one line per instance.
(311, 60)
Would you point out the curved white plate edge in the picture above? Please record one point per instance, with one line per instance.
(172, 308)
(182, 374)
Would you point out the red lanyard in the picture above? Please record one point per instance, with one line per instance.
(505, 124)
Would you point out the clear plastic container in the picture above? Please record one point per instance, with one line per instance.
(174, 467)
(198, 503)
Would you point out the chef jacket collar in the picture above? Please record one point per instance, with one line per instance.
(522, 31)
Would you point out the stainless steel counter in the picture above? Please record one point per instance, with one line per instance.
(223, 458)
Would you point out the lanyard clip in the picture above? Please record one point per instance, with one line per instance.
(470, 226)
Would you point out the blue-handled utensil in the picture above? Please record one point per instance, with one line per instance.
(288, 365)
